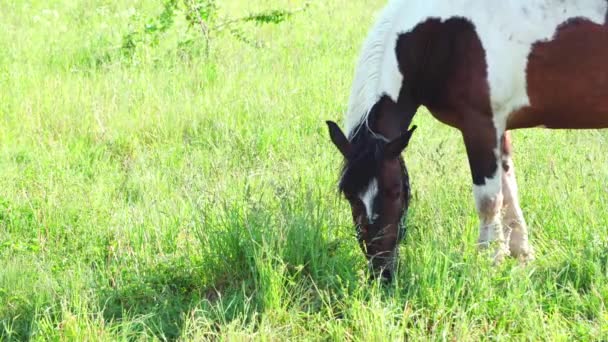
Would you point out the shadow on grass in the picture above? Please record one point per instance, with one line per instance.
(252, 258)
(16, 318)
(157, 299)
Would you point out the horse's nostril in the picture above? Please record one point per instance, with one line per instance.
(383, 274)
(387, 275)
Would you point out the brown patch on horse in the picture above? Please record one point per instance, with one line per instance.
(488, 207)
(568, 79)
(507, 150)
(444, 68)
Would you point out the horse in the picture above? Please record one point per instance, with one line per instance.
(485, 68)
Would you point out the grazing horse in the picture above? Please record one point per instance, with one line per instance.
(484, 68)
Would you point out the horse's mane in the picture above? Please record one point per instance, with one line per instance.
(366, 90)
(367, 147)
(359, 169)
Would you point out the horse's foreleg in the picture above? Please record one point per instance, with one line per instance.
(514, 224)
(482, 143)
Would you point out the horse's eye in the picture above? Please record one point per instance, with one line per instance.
(351, 198)
(354, 201)
(393, 193)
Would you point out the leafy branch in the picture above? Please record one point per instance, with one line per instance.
(204, 24)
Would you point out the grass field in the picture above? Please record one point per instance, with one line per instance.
(188, 198)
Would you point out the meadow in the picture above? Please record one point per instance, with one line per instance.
(170, 195)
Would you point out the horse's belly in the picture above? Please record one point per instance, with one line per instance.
(567, 80)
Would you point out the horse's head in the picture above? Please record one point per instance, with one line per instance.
(376, 184)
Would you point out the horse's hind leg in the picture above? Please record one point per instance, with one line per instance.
(514, 224)
(481, 140)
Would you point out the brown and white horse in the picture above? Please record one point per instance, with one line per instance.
(483, 67)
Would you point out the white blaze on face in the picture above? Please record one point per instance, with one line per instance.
(368, 196)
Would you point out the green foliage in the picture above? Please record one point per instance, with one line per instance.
(197, 201)
(203, 24)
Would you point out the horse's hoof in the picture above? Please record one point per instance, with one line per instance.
(502, 251)
(482, 245)
(522, 252)
(526, 256)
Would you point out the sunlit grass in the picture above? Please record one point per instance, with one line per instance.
(167, 198)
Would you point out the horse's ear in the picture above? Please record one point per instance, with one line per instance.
(338, 138)
(394, 148)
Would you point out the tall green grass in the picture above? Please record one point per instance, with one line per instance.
(182, 198)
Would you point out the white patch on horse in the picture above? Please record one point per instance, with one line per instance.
(507, 30)
(483, 194)
(489, 202)
(367, 197)
(513, 222)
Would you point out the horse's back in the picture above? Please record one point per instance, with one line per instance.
(545, 62)
(521, 61)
